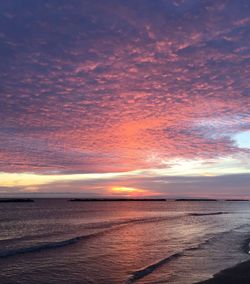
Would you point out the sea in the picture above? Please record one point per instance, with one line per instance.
(56, 241)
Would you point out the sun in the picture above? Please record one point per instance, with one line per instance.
(126, 190)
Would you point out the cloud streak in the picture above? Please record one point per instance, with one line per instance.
(93, 87)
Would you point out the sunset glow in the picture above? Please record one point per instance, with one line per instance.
(127, 190)
(127, 97)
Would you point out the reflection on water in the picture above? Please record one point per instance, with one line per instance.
(57, 241)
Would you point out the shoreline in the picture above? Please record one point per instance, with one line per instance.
(240, 273)
(237, 274)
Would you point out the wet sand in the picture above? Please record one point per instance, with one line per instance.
(237, 274)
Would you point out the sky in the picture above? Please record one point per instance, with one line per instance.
(125, 98)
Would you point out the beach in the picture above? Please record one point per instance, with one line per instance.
(240, 273)
(237, 274)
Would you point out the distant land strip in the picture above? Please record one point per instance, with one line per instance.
(8, 200)
(118, 199)
(195, 199)
(202, 199)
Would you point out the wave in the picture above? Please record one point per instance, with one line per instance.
(109, 226)
(106, 226)
(246, 246)
(147, 220)
(141, 273)
(45, 246)
(129, 221)
(149, 269)
(117, 223)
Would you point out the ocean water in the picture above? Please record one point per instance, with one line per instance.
(58, 241)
